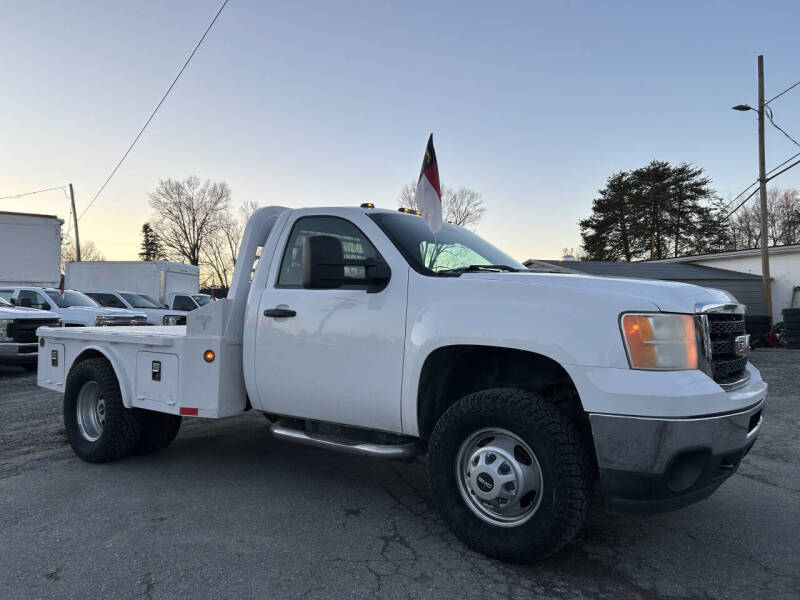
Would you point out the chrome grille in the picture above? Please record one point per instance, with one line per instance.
(728, 366)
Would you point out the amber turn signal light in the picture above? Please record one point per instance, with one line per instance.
(209, 356)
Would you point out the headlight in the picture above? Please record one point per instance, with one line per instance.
(660, 342)
(173, 319)
(4, 327)
(99, 320)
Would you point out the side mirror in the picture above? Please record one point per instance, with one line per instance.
(324, 263)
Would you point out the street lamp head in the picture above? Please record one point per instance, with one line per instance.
(742, 107)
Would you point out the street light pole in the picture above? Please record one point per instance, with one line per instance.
(762, 183)
(75, 217)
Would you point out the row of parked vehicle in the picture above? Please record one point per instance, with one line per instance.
(23, 309)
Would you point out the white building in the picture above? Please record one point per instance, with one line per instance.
(784, 268)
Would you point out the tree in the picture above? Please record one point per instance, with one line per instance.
(462, 207)
(608, 233)
(152, 248)
(783, 220)
(188, 214)
(89, 253)
(654, 212)
(222, 250)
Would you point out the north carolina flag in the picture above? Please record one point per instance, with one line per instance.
(428, 195)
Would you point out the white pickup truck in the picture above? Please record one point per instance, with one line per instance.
(357, 329)
(18, 343)
(76, 309)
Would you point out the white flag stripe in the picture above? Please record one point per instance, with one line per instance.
(429, 203)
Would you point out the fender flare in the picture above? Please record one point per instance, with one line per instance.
(116, 365)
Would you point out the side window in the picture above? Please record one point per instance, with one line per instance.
(6, 295)
(183, 303)
(108, 300)
(354, 244)
(32, 299)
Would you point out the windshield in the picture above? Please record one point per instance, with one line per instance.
(71, 298)
(139, 301)
(453, 249)
(202, 299)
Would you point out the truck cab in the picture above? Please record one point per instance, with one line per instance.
(156, 313)
(186, 302)
(361, 330)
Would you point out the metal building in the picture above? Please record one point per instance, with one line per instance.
(746, 287)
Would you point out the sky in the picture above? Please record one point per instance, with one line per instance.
(531, 104)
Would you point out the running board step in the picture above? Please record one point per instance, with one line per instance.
(284, 431)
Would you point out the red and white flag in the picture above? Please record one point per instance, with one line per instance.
(428, 195)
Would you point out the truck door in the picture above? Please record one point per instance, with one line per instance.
(337, 355)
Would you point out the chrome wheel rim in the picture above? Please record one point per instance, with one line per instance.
(499, 477)
(91, 411)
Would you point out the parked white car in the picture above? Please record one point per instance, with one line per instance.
(74, 308)
(18, 344)
(156, 314)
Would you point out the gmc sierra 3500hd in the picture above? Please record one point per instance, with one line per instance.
(358, 329)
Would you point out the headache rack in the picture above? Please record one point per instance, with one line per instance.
(725, 344)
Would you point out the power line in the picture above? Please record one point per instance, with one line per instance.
(742, 203)
(794, 164)
(153, 114)
(794, 85)
(744, 191)
(768, 110)
(59, 187)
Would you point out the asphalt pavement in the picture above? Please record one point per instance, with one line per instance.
(227, 512)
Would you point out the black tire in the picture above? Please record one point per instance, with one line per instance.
(158, 431)
(122, 427)
(31, 367)
(565, 465)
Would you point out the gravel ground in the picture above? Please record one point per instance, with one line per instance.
(228, 512)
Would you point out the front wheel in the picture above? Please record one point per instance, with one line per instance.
(510, 474)
(99, 427)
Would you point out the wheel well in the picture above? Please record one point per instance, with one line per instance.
(86, 355)
(452, 372)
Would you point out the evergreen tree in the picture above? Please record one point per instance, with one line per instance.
(656, 211)
(607, 232)
(151, 246)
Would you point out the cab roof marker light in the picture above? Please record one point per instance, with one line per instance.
(367, 205)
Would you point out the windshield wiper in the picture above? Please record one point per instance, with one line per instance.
(474, 268)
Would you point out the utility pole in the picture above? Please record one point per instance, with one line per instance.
(762, 181)
(75, 221)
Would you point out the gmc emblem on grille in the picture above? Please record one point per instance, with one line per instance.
(741, 344)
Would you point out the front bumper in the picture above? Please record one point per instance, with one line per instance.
(650, 465)
(13, 353)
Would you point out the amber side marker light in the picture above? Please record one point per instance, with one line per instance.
(41, 342)
(209, 356)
